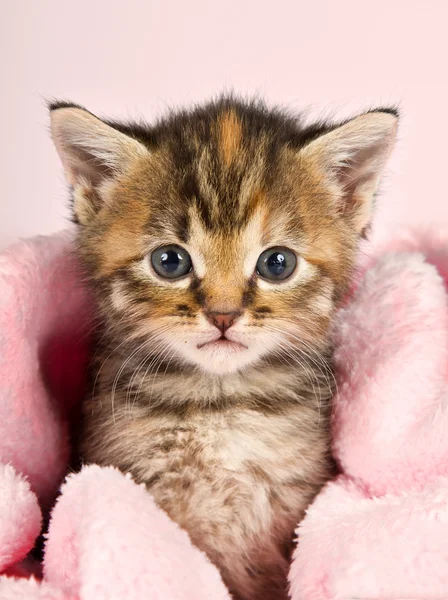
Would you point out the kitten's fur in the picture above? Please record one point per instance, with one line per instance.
(233, 446)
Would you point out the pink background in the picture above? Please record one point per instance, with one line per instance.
(134, 58)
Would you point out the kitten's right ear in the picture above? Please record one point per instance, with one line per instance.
(91, 152)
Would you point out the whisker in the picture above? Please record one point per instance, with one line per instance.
(302, 358)
(157, 354)
(120, 371)
(141, 365)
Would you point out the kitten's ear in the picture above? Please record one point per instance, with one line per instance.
(89, 148)
(352, 158)
(91, 152)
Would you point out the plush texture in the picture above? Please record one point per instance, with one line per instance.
(380, 530)
(20, 513)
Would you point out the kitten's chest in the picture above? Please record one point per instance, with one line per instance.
(231, 465)
(234, 443)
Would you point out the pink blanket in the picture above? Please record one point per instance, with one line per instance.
(380, 531)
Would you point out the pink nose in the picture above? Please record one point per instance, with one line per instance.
(223, 321)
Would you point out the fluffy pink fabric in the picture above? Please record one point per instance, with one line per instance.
(143, 554)
(43, 318)
(379, 531)
(20, 517)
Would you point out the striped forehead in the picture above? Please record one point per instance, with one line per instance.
(229, 254)
(228, 173)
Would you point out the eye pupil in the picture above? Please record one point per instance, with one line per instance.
(276, 263)
(170, 261)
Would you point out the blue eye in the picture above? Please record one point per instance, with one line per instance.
(171, 262)
(276, 264)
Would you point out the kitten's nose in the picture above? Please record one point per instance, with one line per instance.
(223, 321)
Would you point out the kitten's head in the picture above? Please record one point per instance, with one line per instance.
(223, 235)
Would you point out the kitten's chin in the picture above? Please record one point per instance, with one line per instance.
(220, 357)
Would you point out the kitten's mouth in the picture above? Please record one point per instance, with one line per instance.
(222, 343)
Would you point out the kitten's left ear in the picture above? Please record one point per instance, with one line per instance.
(352, 158)
(88, 147)
(92, 153)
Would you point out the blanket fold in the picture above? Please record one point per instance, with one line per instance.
(379, 531)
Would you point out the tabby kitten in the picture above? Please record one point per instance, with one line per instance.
(218, 243)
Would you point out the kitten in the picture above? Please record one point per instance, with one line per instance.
(218, 243)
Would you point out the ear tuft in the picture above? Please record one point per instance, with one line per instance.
(352, 158)
(92, 153)
(89, 148)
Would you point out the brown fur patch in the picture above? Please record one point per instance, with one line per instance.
(120, 246)
(123, 239)
(230, 136)
(86, 202)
